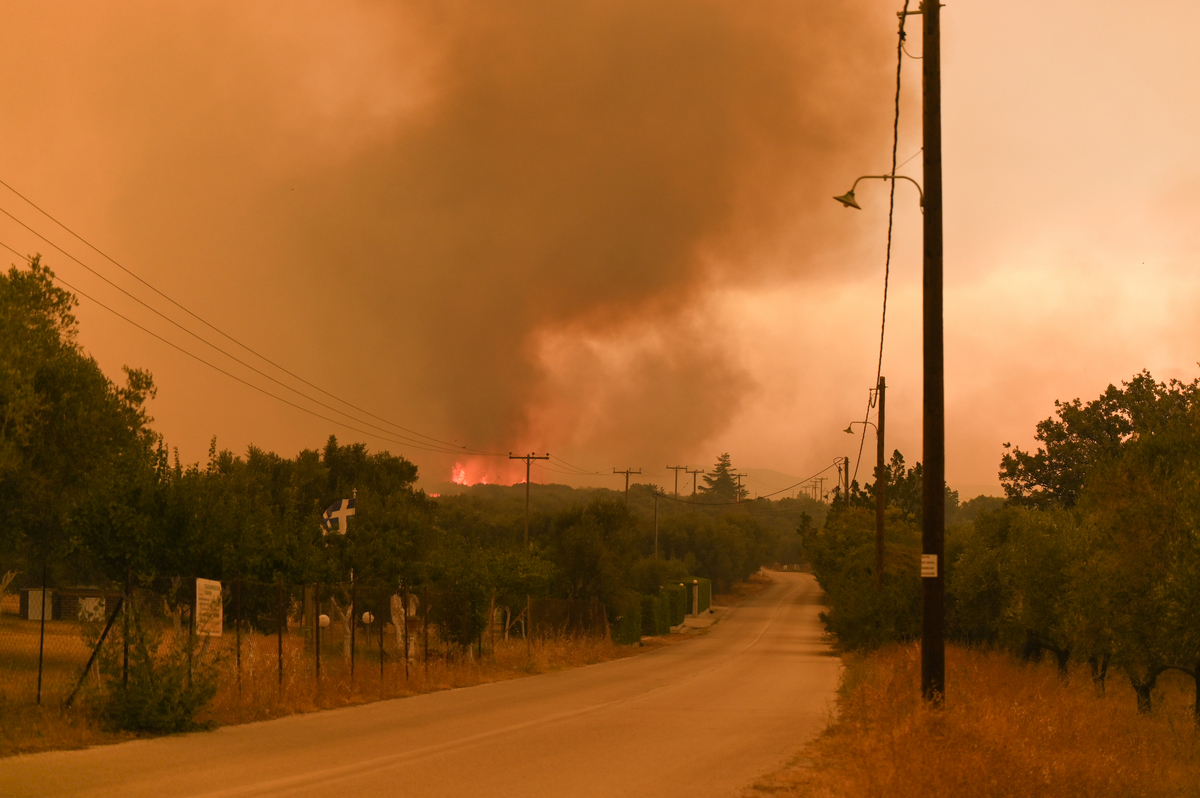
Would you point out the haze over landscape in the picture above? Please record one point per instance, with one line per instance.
(604, 229)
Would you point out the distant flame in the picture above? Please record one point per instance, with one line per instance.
(458, 475)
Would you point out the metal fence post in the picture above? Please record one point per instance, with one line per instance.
(125, 632)
(191, 631)
(282, 626)
(42, 634)
(383, 599)
(424, 628)
(404, 615)
(353, 625)
(237, 620)
(95, 651)
(317, 628)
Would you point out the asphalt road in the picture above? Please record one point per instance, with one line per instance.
(701, 718)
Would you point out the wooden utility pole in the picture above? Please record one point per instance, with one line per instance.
(933, 526)
(846, 463)
(738, 477)
(656, 517)
(528, 458)
(677, 469)
(694, 472)
(627, 472)
(881, 479)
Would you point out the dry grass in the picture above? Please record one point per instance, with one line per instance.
(258, 695)
(1007, 729)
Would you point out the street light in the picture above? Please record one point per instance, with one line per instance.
(933, 412)
(848, 200)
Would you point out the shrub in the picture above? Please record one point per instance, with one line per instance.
(626, 618)
(170, 681)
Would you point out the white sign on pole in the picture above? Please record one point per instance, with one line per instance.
(209, 618)
(929, 566)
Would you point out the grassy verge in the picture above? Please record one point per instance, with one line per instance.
(1008, 728)
(259, 696)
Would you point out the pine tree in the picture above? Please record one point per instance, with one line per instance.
(720, 484)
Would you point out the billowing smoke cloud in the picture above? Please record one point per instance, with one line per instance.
(586, 169)
(498, 219)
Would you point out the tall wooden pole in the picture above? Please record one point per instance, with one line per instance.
(656, 521)
(528, 458)
(933, 571)
(627, 472)
(677, 469)
(881, 478)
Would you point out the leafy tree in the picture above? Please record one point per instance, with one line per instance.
(1142, 508)
(77, 460)
(1082, 437)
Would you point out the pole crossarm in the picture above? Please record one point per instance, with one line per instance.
(528, 458)
(677, 469)
(627, 472)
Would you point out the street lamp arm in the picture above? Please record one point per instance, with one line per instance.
(848, 200)
(850, 431)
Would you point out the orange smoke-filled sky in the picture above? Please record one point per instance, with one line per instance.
(604, 229)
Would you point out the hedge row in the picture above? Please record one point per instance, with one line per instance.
(657, 613)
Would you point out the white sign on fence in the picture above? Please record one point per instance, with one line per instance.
(208, 608)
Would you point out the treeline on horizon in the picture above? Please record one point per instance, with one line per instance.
(1093, 558)
(91, 493)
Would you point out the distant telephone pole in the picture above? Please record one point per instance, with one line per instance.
(847, 462)
(738, 477)
(627, 472)
(694, 472)
(528, 458)
(656, 519)
(881, 478)
(677, 469)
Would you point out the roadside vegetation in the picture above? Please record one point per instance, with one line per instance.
(93, 497)
(1008, 728)
(1074, 664)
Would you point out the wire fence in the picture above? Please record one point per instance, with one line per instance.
(262, 643)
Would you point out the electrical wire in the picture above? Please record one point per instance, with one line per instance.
(215, 367)
(764, 496)
(219, 331)
(887, 263)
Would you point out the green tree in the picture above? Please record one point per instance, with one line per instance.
(720, 485)
(78, 462)
(1084, 436)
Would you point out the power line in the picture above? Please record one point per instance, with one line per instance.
(764, 496)
(887, 263)
(215, 367)
(219, 331)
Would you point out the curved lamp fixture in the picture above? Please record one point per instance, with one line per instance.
(849, 430)
(848, 200)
